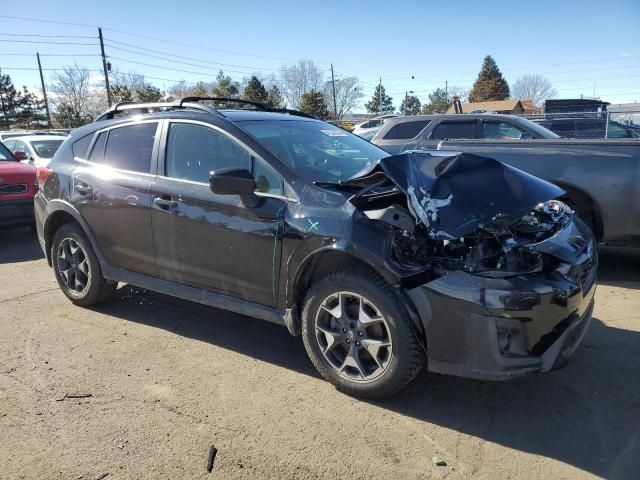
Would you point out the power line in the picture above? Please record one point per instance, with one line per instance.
(48, 21)
(169, 68)
(47, 42)
(51, 54)
(45, 36)
(176, 56)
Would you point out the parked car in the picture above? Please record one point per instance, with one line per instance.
(378, 261)
(35, 150)
(13, 133)
(364, 129)
(591, 126)
(431, 129)
(17, 189)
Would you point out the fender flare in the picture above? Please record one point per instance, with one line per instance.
(57, 205)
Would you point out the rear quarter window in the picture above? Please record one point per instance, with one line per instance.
(80, 146)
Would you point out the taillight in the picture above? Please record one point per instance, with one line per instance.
(41, 174)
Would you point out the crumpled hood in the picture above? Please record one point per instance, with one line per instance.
(454, 195)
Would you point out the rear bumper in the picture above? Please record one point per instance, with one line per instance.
(16, 213)
(497, 329)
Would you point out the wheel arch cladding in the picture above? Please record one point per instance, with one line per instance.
(322, 263)
(56, 220)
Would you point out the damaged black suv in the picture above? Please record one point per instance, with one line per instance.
(382, 263)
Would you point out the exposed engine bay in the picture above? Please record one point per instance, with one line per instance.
(498, 249)
(462, 212)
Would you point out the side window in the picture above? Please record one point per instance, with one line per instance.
(80, 146)
(194, 151)
(406, 130)
(267, 180)
(499, 131)
(130, 147)
(452, 130)
(97, 152)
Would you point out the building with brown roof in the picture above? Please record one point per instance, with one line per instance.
(510, 107)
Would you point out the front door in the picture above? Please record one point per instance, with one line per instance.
(212, 241)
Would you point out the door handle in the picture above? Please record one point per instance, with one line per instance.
(165, 203)
(83, 189)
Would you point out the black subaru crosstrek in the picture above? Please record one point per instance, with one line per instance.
(382, 263)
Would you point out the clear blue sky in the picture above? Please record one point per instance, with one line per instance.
(573, 43)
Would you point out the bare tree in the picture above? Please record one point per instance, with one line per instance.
(348, 92)
(460, 92)
(132, 80)
(77, 97)
(533, 87)
(298, 79)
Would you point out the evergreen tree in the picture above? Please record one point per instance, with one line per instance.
(439, 102)
(410, 105)
(490, 85)
(380, 102)
(255, 91)
(225, 87)
(19, 108)
(148, 93)
(121, 93)
(274, 97)
(314, 103)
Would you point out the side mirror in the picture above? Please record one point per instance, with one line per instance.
(235, 181)
(20, 156)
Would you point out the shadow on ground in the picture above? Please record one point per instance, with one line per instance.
(586, 415)
(19, 245)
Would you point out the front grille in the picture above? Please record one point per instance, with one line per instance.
(15, 188)
(585, 270)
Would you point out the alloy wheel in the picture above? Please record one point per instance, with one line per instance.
(354, 337)
(73, 266)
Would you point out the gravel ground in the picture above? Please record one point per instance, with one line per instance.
(169, 378)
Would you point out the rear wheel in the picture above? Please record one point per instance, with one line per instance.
(357, 335)
(77, 268)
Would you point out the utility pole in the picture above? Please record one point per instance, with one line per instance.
(104, 67)
(446, 88)
(406, 100)
(44, 92)
(333, 85)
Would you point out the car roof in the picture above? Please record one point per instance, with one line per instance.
(37, 138)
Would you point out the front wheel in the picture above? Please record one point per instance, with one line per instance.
(358, 336)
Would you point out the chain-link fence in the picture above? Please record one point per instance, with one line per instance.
(614, 123)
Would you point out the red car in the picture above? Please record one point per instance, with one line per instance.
(17, 188)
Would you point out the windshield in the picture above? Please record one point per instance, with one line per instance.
(5, 154)
(317, 151)
(46, 148)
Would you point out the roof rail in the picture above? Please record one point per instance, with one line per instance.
(259, 105)
(191, 103)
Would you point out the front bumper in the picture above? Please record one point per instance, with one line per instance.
(15, 213)
(496, 329)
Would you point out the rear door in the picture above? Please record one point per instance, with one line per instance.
(112, 191)
(210, 241)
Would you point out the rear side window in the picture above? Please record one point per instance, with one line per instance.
(452, 130)
(80, 146)
(406, 130)
(130, 147)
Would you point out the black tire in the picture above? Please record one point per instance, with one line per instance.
(406, 357)
(97, 288)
